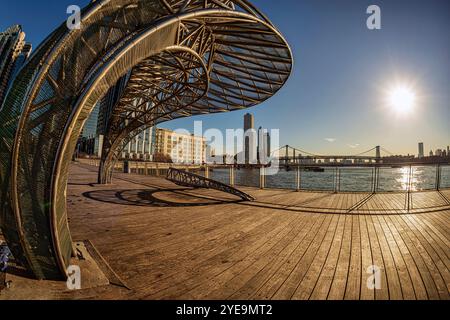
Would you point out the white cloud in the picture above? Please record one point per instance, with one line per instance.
(353, 146)
(330, 140)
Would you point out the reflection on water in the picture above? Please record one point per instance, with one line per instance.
(405, 178)
(350, 179)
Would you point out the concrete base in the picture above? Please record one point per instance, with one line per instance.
(94, 272)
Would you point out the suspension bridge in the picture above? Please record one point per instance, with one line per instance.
(289, 155)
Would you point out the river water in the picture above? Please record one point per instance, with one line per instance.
(351, 179)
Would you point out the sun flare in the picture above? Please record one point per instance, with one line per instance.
(402, 99)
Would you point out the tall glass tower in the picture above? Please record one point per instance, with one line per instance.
(14, 52)
(249, 124)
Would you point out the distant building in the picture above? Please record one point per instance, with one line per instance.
(249, 124)
(14, 52)
(268, 144)
(90, 126)
(438, 153)
(421, 150)
(88, 141)
(179, 148)
(108, 103)
(141, 147)
(448, 151)
(431, 153)
(263, 147)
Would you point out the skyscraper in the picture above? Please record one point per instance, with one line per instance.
(90, 126)
(139, 147)
(109, 101)
(263, 145)
(268, 146)
(260, 145)
(14, 52)
(421, 150)
(249, 124)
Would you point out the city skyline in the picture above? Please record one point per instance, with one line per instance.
(329, 107)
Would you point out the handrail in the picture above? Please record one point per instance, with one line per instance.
(188, 179)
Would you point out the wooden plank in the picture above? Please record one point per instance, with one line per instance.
(330, 268)
(367, 261)
(346, 281)
(172, 242)
(378, 260)
(284, 272)
(315, 266)
(413, 260)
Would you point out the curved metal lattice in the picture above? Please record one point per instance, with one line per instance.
(179, 57)
(192, 180)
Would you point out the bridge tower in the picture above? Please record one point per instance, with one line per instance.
(287, 155)
(378, 153)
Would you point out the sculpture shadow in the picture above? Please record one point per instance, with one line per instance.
(149, 198)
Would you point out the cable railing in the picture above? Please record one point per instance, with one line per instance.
(368, 179)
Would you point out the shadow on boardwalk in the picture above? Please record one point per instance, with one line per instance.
(155, 198)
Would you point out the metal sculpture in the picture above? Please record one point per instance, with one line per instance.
(192, 180)
(179, 58)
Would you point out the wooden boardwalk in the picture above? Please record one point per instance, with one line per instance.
(167, 242)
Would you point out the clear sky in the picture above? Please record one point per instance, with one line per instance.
(336, 98)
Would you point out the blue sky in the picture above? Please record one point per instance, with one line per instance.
(341, 75)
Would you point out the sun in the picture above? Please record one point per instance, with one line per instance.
(402, 99)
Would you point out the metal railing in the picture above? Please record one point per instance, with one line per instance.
(368, 179)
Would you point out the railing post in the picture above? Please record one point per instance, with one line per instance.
(262, 178)
(298, 178)
(408, 189)
(438, 176)
(377, 180)
(335, 179)
(338, 179)
(372, 183)
(206, 172)
(231, 175)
